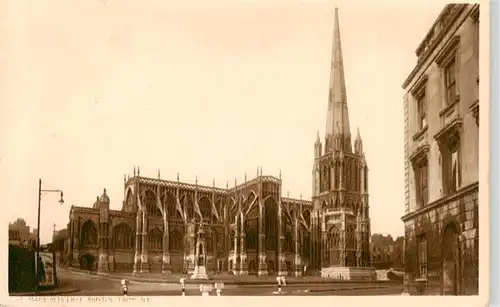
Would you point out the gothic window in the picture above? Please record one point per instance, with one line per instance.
(89, 234)
(422, 256)
(252, 228)
(171, 205)
(271, 224)
(155, 239)
(337, 174)
(176, 240)
(288, 246)
(232, 238)
(353, 176)
(151, 204)
(209, 242)
(351, 231)
(123, 236)
(421, 176)
(307, 217)
(188, 207)
(216, 242)
(332, 245)
(344, 173)
(130, 201)
(288, 229)
(306, 243)
(366, 178)
(205, 208)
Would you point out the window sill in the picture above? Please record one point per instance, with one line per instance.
(420, 134)
(449, 107)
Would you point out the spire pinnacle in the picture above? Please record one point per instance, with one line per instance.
(158, 173)
(358, 135)
(317, 137)
(337, 100)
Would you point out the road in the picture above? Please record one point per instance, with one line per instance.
(93, 285)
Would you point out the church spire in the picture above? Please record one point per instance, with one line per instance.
(338, 114)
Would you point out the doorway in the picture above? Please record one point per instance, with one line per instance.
(450, 251)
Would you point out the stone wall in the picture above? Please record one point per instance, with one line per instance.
(462, 212)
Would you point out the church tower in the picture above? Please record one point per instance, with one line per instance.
(341, 218)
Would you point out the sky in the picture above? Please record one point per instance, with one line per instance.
(89, 89)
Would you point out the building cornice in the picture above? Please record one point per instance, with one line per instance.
(437, 203)
(441, 27)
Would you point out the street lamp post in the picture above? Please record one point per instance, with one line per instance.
(61, 201)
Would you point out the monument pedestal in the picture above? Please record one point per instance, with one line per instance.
(349, 273)
(102, 266)
(200, 272)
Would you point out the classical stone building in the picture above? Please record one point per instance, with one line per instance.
(250, 228)
(441, 112)
(341, 217)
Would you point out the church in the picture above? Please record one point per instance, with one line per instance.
(250, 227)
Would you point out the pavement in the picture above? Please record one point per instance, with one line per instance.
(62, 289)
(225, 278)
(108, 285)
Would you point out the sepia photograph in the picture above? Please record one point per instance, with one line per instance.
(154, 149)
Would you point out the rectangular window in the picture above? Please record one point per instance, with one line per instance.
(422, 257)
(450, 81)
(454, 171)
(422, 112)
(421, 174)
(451, 168)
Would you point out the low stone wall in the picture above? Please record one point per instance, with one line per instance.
(349, 273)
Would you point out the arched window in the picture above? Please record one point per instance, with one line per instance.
(216, 242)
(188, 203)
(332, 246)
(287, 231)
(123, 236)
(307, 217)
(306, 244)
(89, 234)
(337, 174)
(129, 203)
(155, 239)
(209, 242)
(151, 203)
(288, 246)
(252, 228)
(175, 240)
(232, 237)
(271, 224)
(205, 209)
(350, 236)
(220, 210)
(171, 205)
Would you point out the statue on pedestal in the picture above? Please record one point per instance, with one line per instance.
(200, 271)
